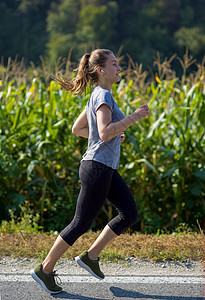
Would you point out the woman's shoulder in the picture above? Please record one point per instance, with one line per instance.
(99, 91)
(101, 96)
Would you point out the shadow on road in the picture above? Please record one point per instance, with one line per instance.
(65, 295)
(118, 292)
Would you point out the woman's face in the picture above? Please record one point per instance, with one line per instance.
(112, 69)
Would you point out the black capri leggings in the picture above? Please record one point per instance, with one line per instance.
(98, 183)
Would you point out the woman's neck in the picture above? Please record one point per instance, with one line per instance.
(104, 85)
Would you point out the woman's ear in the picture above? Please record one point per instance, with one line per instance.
(99, 70)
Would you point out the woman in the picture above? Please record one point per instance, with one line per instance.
(103, 124)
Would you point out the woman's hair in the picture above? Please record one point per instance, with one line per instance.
(86, 71)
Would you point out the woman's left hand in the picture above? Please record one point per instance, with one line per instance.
(122, 137)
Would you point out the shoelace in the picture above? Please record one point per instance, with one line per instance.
(55, 276)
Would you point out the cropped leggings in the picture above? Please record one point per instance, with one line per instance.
(98, 183)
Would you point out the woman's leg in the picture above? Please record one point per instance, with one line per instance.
(106, 237)
(95, 182)
(58, 249)
(89, 259)
(120, 196)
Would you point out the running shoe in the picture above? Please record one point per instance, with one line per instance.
(92, 266)
(47, 281)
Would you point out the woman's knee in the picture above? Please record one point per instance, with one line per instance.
(134, 216)
(75, 229)
(123, 221)
(131, 216)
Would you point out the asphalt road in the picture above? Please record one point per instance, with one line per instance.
(85, 287)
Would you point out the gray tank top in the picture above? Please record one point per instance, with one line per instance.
(107, 152)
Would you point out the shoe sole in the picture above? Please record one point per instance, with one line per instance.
(86, 267)
(37, 279)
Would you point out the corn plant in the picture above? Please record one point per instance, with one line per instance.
(162, 157)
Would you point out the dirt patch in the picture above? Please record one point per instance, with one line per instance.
(131, 266)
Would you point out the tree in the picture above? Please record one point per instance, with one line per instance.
(9, 30)
(193, 38)
(145, 29)
(31, 28)
(97, 26)
(61, 25)
(22, 28)
(72, 24)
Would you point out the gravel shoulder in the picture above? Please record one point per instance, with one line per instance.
(131, 266)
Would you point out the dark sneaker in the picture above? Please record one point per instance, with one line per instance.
(92, 266)
(47, 281)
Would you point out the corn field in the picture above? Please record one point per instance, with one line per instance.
(162, 157)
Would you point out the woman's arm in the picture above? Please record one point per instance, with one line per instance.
(80, 127)
(108, 130)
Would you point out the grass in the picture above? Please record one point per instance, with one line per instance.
(163, 247)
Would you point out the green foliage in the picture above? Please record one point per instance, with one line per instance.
(173, 157)
(26, 222)
(95, 25)
(162, 157)
(80, 26)
(193, 38)
(61, 25)
(37, 150)
(50, 29)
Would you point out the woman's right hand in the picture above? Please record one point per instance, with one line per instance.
(141, 112)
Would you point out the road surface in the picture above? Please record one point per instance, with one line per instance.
(136, 280)
(84, 287)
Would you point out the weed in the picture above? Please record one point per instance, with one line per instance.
(27, 221)
(149, 247)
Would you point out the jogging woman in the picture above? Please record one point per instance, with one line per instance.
(103, 124)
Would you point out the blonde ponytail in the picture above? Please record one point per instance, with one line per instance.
(86, 72)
